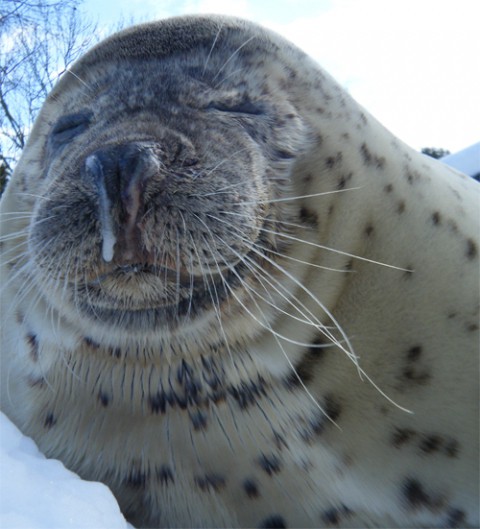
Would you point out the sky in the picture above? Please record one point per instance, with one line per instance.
(413, 64)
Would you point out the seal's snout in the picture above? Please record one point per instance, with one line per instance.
(120, 174)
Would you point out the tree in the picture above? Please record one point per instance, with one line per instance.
(38, 40)
(435, 152)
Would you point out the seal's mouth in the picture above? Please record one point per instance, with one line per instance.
(144, 271)
(140, 296)
(150, 295)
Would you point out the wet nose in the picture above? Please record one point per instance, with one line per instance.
(120, 174)
(123, 171)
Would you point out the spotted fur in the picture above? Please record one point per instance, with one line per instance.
(234, 297)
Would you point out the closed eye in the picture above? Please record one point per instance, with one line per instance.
(67, 127)
(243, 107)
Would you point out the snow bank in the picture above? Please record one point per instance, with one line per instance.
(40, 493)
(467, 160)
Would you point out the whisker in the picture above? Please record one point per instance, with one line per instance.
(73, 74)
(236, 52)
(320, 246)
(211, 49)
(299, 197)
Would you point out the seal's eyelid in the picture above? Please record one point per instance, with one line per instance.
(67, 127)
(243, 107)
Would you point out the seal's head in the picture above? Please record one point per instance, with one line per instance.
(157, 156)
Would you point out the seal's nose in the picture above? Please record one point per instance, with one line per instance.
(120, 174)
(123, 171)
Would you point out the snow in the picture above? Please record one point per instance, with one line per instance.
(467, 160)
(40, 493)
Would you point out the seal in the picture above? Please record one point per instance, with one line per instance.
(234, 297)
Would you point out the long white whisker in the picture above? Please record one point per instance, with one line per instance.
(299, 197)
(322, 247)
(236, 52)
(211, 49)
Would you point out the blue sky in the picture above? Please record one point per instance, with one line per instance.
(414, 64)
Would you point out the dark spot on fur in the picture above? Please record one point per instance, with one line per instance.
(116, 352)
(89, 342)
(333, 408)
(408, 272)
(33, 344)
(366, 154)
(401, 206)
(208, 482)
(270, 464)
(218, 396)
(455, 518)
(332, 161)
(50, 420)
(371, 159)
(414, 353)
(279, 441)
(384, 410)
(417, 497)
(275, 521)
(472, 327)
(331, 517)
(415, 494)
(411, 372)
(190, 387)
(308, 217)
(136, 479)
(103, 398)
(402, 436)
(388, 188)
(452, 448)
(472, 251)
(334, 516)
(344, 179)
(199, 420)
(248, 392)
(303, 369)
(158, 403)
(412, 176)
(251, 488)
(321, 418)
(308, 178)
(164, 474)
(430, 444)
(369, 229)
(413, 375)
(315, 427)
(436, 218)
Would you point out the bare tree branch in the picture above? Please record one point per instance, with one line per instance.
(38, 40)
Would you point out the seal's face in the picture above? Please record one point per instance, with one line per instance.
(157, 175)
